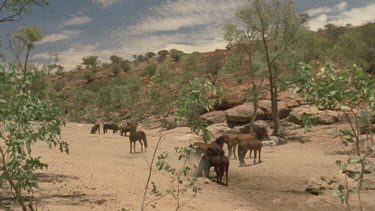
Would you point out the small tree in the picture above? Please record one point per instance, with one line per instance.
(191, 68)
(352, 91)
(150, 55)
(140, 58)
(176, 55)
(90, 62)
(162, 55)
(116, 60)
(125, 65)
(195, 96)
(116, 70)
(21, 112)
(213, 66)
(151, 69)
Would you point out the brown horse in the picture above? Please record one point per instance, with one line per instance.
(109, 126)
(95, 128)
(232, 140)
(221, 165)
(214, 158)
(125, 127)
(252, 144)
(137, 136)
(201, 148)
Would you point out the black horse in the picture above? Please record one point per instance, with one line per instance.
(109, 126)
(137, 136)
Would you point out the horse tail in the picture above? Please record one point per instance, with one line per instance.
(144, 139)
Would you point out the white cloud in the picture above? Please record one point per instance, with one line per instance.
(317, 11)
(105, 3)
(323, 10)
(341, 6)
(74, 54)
(187, 25)
(76, 21)
(63, 35)
(339, 15)
(180, 14)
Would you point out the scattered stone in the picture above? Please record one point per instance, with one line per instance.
(100, 201)
(316, 187)
(276, 201)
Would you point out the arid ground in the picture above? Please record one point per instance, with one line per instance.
(100, 174)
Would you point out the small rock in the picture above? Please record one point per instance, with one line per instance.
(276, 201)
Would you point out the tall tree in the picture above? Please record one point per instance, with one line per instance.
(24, 40)
(15, 10)
(276, 25)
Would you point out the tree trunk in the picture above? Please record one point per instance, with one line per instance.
(26, 60)
(275, 112)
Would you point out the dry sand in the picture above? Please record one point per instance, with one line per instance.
(100, 174)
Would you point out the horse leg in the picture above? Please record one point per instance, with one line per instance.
(140, 142)
(250, 153)
(226, 173)
(130, 146)
(134, 146)
(229, 150)
(255, 155)
(241, 157)
(234, 151)
(259, 155)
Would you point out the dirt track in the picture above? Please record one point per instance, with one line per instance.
(100, 174)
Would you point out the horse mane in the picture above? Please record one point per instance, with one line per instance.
(221, 139)
(261, 133)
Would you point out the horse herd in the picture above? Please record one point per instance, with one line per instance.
(123, 128)
(210, 155)
(213, 155)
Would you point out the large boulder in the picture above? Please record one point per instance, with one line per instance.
(232, 98)
(214, 117)
(265, 105)
(243, 114)
(324, 117)
(289, 96)
(170, 123)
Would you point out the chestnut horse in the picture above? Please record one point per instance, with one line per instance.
(232, 140)
(250, 144)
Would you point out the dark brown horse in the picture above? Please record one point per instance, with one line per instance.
(137, 136)
(125, 128)
(109, 126)
(232, 140)
(201, 148)
(214, 158)
(245, 145)
(95, 128)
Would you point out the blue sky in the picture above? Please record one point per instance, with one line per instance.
(78, 28)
